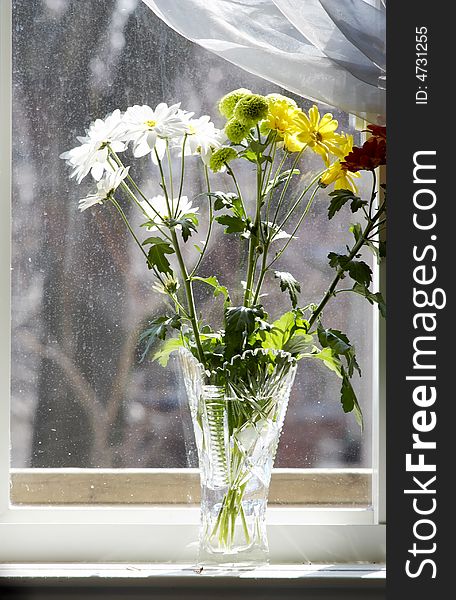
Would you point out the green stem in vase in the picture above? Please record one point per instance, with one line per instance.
(254, 237)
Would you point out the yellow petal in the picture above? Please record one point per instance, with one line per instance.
(332, 174)
(321, 150)
(328, 124)
(301, 120)
(292, 143)
(314, 116)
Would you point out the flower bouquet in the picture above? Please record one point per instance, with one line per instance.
(238, 376)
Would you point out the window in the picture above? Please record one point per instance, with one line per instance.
(92, 428)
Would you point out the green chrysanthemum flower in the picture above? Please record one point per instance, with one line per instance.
(250, 109)
(236, 131)
(221, 157)
(229, 101)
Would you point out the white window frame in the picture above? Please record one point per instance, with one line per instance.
(163, 533)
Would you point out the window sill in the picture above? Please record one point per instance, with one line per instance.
(366, 579)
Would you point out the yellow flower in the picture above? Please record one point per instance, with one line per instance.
(337, 174)
(319, 133)
(280, 117)
(272, 98)
(292, 143)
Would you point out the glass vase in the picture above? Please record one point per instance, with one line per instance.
(237, 427)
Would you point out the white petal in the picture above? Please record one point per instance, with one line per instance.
(118, 146)
(86, 203)
(160, 147)
(97, 171)
(141, 149)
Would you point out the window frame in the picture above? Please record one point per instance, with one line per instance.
(163, 533)
(314, 487)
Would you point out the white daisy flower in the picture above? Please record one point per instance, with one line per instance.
(92, 155)
(105, 188)
(149, 128)
(159, 203)
(202, 137)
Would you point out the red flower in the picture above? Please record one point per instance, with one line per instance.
(371, 155)
(377, 131)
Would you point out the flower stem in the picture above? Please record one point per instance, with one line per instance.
(209, 230)
(184, 273)
(354, 251)
(181, 186)
(230, 172)
(271, 192)
(135, 186)
(286, 185)
(301, 219)
(299, 200)
(251, 264)
(171, 184)
(130, 229)
(190, 298)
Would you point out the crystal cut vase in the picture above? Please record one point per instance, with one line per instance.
(237, 427)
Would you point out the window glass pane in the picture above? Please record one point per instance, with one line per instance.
(81, 290)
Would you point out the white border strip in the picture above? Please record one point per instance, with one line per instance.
(5, 196)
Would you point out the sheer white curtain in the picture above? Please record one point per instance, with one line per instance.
(331, 51)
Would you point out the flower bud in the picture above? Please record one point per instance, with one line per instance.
(236, 131)
(221, 157)
(229, 101)
(251, 109)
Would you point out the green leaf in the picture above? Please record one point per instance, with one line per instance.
(285, 329)
(242, 318)
(336, 344)
(357, 203)
(249, 155)
(378, 249)
(157, 254)
(158, 330)
(337, 261)
(222, 199)
(230, 201)
(330, 360)
(240, 322)
(337, 202)
(258, 147)
(187, 223)
(290, 284)
(334, 339)
(357, 231)
(358, 270)
(218, 289)
(233, 223)
(376, 298)
(274, 183)
(279, 333)
(338, 199)
(299, 344)
(167, 348)
(340, 345)
(254, 153)
(349, 400)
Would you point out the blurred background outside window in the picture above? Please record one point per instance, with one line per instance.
(81, 291)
